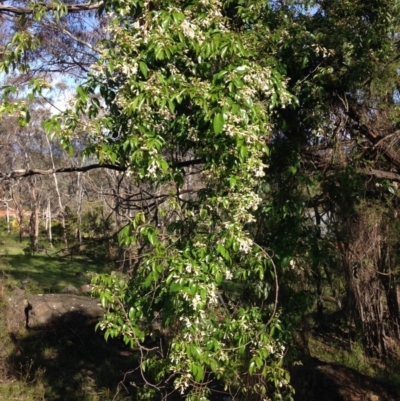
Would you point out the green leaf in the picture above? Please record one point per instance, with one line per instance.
(259, 362)
(198, 372)
(243, 152)
(143, 68)
(225, 254)
(218, 123)
(252, 367)
(82, 93)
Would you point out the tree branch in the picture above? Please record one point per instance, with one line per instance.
(383, 174)
(375, 138)
(72, 8)
(29, 172)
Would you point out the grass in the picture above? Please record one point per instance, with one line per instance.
(63, 363)
(339, 351)
(57, 362)
(45, 272)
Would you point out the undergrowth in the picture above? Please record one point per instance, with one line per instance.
(348, 353)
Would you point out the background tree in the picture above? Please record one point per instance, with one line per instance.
(342, 140)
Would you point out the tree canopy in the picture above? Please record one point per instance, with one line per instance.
(262, 142)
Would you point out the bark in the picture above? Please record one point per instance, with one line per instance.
(361, 261)
(29, 172)
(19, 211)
(316, 271)
(375, 138)
(79, 209)
(60, 204)
(48, 224)
(34, 219)
(8, 217)
(392, 289)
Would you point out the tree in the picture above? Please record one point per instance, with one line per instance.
(346, 127)
(47, 39)
(185, 88)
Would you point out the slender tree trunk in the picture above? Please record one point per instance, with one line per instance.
(60, 204)
(8, 218)
(19, 212)
(118, 219)
(316, 270)
(392, 290)
(34, 219)
(79, 209)
(50, 234)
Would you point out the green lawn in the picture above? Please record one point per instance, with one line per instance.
(49, 271)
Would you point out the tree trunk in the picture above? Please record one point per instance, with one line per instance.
(19, 211)
(392, 290)
(60, 204)
(8, 218)
(364, 288)
(79, 209)
(34, 219)
(49, 224)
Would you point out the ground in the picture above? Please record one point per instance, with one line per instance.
(59, 356)
(318, 381)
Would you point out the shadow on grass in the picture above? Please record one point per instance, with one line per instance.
(72, 362)
(309, 383)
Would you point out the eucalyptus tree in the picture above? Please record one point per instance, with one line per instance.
(342, 141)
(44, 40)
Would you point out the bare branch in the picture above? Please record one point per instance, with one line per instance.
(383, 174)
(53, 25)
(375, 138)
(29, 172)
(72, 8)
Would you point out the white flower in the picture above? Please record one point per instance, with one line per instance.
(196, 301)
(151, 171)
(213, 300)
(187, 29)
(260, 171)
(270, 349)
(228, 275)
(188, 323)
(245, 245)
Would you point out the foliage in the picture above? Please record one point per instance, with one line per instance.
(254, 137)
(184, 85)
(205, 84)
